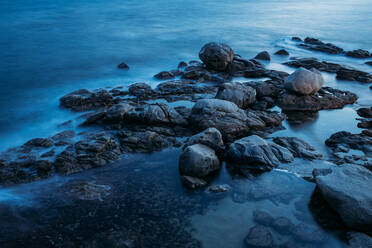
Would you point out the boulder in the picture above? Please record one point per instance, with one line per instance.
(164, 75)
(347, 190)
(259, 237)
(365, 112)
(193, 182)
(210, 137)
(241, 95)
(198, 161)
(298, 147)
(255, 153)
(282, 52)
(216, 56)
(359, 240)
(263, 56)
(141, 90)
(304, 82)
(83, 100)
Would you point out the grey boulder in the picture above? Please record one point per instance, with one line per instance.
(216, 56)
(241, 95)
(210, 137)
(304, 82)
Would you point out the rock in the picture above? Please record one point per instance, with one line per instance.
(181, 65)
(359, 240)
(365, 112)
(308, 233)
(305, 82)
(263, 56)
(283, 225)
(114, 114)
(322, 47)
(40, 142)
(141, 90)
(298, 147)
(347, 190)
(193, 182)
(259, 237)
(164, 75)
(354, 141)
(241, 95)
(219, 188)
(368, 63)
(182, 88)
(216, 56)
(325, 98)
(83, 100)
(296, 39)
(354, 75)
(255, 153)
(282, 52)
(94, 150)
(359, 53)
(67, 134)
(123, 65)
(210, 137)
(223, 115)
(198, 161)
(263, 218)
(90, 191)
(365, 123)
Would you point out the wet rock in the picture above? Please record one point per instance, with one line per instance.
(83, 100)
(298, 39)
(141, 90)
(145, 141)
(305, 82)
(164, 75)
(263, 56)
(354, 141)
(223, 115)
(198, 161)
(347, 190)
(282, 52)
(67, 134)
(49, 153)
(123, 65)
(181, 65)
(283, 225)
(255, 153)
(219, 188)
(325, 98)
(359, 53)
(365, 123)
(194, 75)
(90, 191)
(354, 75)
(298, 147)
(94, 150)
(369, 63)
(263, 218)
(183, 88)
(308, 233)
(210, 137)
(259, 236)
(268, 118)
(216, 56)
(359, 240)
(193, 182)
(317, 45)
(365, 112)
(240, 94)
(40, 142)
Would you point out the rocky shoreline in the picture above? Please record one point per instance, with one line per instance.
(219, 120)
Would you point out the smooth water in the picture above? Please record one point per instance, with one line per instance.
(49, 48)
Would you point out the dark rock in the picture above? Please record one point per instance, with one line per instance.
(83, 100)
(216, 56)
(193, 182)
(365, 112)
(219, 188)
(263, 56)
(354, 75)
(347, 190)
(298, 147)
(194, 75)
(40, 142)
(141, 90)
(296, 39)
(359, 240)
(313, 41)
(183, 88)
(49, 153)
(263, 218)
(198, 161)
(365, 123)
(354, 141)
(259, 237)
(164, 75)
(283, 225)
(369, 63)
(317, 45)
(67, 134)
(123, 65)
(255, 153)
(210, 137)
(359, 53)
(181, 65)
(240, 94)
(282, 52)
(304, 82)
(308, 233)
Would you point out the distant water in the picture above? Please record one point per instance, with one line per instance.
(48, 48)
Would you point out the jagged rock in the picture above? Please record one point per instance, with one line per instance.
(259, 237)
(262, 217)
(193, 182)
(40, 142)
(141, 90)
(347, 190)
(263, 56)
(183, 88)
(210, 137)
(255, 153)
(354, 75)
(83, 100)
(305, 82)
(241, 95)
(282, 52)
(298, 147)
(216, 56)
(198, 161)
(123, 65)
(164, 75)
(359, 53)
(317, 45)
(67, 134)
(359, 240)
(354, 141)
(325, 98)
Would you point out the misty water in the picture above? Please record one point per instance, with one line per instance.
(51, 47)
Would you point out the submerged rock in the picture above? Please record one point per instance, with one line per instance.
(216, 56)
(305, 82)
(259, 237)
(193, 182)
(262, 217)
(298, 147)
(283, 225)
(348, 191)
(198, 161)
(255, 153)
(308, 233)
(240, 94)
(90, 191)
(263, 56)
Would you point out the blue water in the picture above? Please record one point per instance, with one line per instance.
(48, 48)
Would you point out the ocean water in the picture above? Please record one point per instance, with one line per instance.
(51, 47)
